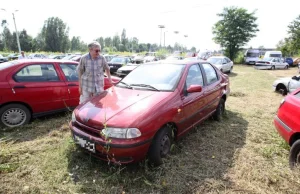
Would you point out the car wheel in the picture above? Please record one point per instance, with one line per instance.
(281, 89)
(160, 146)
(13, 115)
(218, 114)
(230, 70)
(286, 67)
(273, 67)
(294, 158)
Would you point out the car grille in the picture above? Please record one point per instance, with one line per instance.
(89, 130)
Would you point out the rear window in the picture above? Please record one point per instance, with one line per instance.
(275, 55)
(8, 64)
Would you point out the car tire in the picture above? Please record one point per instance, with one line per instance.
(160, 146)
(13, 115)
(294, 157)
(273, 67)
(230, 71)
(281, 89)
(220, 110)
(286, 67)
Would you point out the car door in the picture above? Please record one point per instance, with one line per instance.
(39, 86)
(192, 103)
(225, 65)
(212, 89)
(71, 78)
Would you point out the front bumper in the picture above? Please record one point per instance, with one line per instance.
(116, 151)
(284, 130)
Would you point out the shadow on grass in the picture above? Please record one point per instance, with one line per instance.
(198, 163)
(38, 127)
(232, 74)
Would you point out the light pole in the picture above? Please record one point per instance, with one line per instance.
(161, 27)
(185, 36)
(17, 33)
(165, 39)
(176, 32)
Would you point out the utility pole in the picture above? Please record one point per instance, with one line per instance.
(161, 27)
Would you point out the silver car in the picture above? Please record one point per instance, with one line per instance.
(221, 62)
(271, 63)
(286, 85)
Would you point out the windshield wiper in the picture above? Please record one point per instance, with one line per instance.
(127, 85)
(145, 85)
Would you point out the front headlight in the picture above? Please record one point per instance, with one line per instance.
(124, 133)
(73, 117)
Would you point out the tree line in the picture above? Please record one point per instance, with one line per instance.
(54, 37)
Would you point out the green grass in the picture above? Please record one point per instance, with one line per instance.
(242, 154)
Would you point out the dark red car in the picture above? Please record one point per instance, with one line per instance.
(146, 111)
(287, 123)
(31, 88)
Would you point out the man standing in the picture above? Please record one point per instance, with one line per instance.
(91, 72)
(22, 56)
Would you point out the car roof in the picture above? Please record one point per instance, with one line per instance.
(45, 61)
(177, 62)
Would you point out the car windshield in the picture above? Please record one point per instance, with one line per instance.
(8, 64)
(162, 77)
(252, 54)
(118, 60)
(215, 60)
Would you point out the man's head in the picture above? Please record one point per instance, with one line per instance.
(22, 53)
(94, 49)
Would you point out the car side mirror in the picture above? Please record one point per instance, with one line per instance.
(194, 88)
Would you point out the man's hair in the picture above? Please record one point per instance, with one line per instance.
(94, 44)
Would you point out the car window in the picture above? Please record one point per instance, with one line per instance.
(37, 73)
(210, 72)
(194, 76)
(70, 71)
(228, 60)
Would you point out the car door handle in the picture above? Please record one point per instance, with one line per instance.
(20, 86)
(72, 84)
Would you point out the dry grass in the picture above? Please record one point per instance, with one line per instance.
(243, 154)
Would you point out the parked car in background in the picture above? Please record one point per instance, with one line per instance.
(117, 62)
(125, 70)
(150, 57)
(14, 56)
(221, 62)
(3, 59)
(271, 63)
(204, 55)
(146, 111)
(251, 56)
(287, 123)
(37, 56)
(192, 59)
(109, 57)
(299, 67)
(287, 84)
(174, 58)
(56, 56)
(32, 88)
(76, 58)
(289, 61)
(69, 57)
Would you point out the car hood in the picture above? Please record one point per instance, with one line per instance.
(118, 107)
(128, 67)
(284, 80)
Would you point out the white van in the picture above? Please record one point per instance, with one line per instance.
(251, 56)
(269, 54)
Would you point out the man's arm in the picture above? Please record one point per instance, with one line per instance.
(80, 70)
(107, 70)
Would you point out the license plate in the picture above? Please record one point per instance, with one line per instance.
(85, 144)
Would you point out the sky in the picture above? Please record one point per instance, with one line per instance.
(193, 18)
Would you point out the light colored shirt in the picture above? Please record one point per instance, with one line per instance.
(92, 73)
(21, 57)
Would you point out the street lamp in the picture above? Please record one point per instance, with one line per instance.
(185, 36)
(176, 32)
(165, 38)
(17, 33)
(161, 27)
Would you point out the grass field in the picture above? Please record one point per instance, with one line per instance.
(242, 154)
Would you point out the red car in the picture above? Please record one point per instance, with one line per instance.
(287, 123)
(31, 88)
(146, 111)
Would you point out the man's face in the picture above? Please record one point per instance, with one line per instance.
(22, 53)
(95, 51)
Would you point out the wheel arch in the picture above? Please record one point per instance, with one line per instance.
(18, 102)
(294, 138)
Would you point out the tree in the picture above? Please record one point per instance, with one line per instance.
(108, 42)
(56, 35)
(235, 29)
(8, 40)
(116, 41)
(294, 35)
(25, 40)
(124, 41)
(193, 49)
(101, 41)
